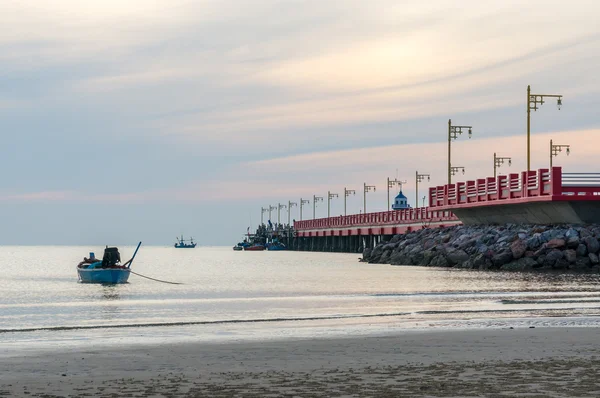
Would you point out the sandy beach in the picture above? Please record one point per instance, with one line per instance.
(544, 362)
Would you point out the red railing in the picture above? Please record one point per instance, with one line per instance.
(394, 217)
(543, 184)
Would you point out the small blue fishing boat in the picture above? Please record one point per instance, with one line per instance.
(182, 245)
(275, 245)
(108, 270)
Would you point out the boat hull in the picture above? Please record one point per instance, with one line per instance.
(254, 248)
(184, 246)
(103, 275)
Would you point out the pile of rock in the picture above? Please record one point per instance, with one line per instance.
(508, 247)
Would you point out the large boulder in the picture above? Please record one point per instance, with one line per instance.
(457, 257)
(572, 242)
(594, 258)
(518, 248)
(502, 258)
(561, 263)
(396, 239)
(552, 257)
(592, 244)
(556, 243)
(522, 264)
(439, 261)
(367, 254)
(581, 250)
(570, 255)
(534, 242)
(399, 259)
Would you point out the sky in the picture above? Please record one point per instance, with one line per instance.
(144, 120)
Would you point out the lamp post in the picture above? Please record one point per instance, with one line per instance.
(390, 184)
(367, 188)
(262, 211)
(454, 170)
(453, 133)
(499, 161)
(347, 192)
(555, 149)
(302, 203)
(424, 201)
(532, 103)
(419, 178)
(290, 205)
(279, 207)
(315, 200)
(329, 197)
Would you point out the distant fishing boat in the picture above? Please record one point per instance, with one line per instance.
(108, 270)
(275, 246)
(182, 245)
(255, 247)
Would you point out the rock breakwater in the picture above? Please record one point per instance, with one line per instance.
(506, 247)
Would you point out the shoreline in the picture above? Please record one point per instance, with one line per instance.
(543, 361)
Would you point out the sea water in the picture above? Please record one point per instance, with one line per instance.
(225, 295)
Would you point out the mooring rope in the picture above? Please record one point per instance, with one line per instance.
(158, 280)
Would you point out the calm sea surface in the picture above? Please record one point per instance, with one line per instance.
(229, 295)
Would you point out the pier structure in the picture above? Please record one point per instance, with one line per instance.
(353, 233)
(545, 196)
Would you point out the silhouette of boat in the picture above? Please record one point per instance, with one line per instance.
(108, 270)
(180, 244)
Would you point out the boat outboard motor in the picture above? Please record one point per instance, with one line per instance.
(111, 257)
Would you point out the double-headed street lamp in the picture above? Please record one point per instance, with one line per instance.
(499, 161)
(532, 103)
(302, 203)
(329, 197)
(390, 184)
(347, 192)
(555, 149)
(262, 211)
(419, 178)
(290, 205)
(271, 208)
(455, 169)
(453, 133)
(279, 207)
(367, 188)
(315, 200)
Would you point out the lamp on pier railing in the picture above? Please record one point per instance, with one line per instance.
(499, 161)
(419, 178)
(262, 211)
(390, 184)
(366, 188)
(279, 207)
(532, 104)
(453, 133)
(271, 208)
(290, 205)
(302, 203)
(424, 200)
(555, 149)
(347, 192)
(455, 170)
(315, 200)
(329, 197)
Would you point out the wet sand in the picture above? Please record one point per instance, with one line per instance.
(540, 362)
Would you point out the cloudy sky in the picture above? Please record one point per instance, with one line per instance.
(141, 120)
